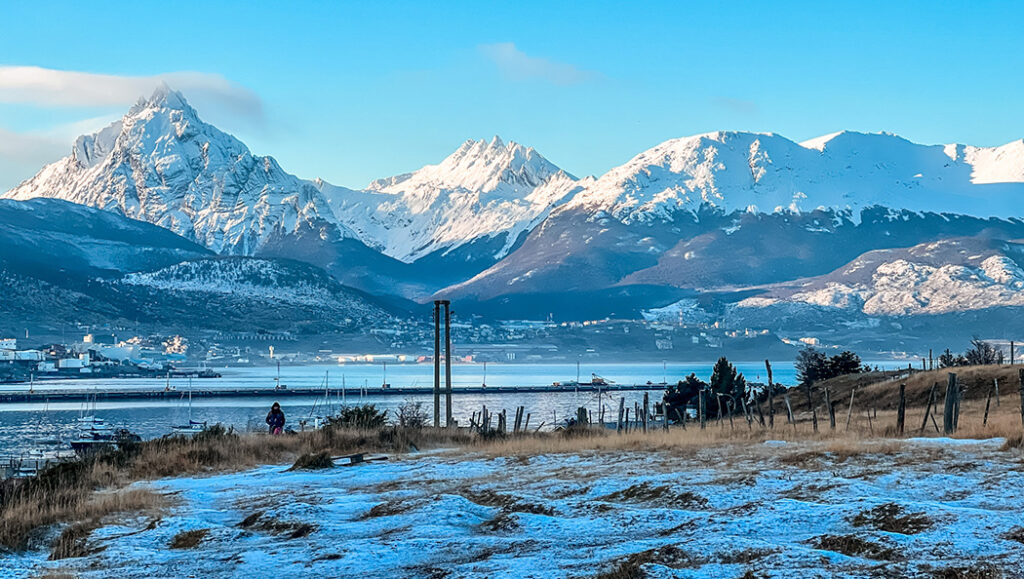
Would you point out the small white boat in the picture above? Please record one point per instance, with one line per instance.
(193, 426)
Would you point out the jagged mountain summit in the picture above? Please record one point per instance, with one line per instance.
(160, 163)
(845, 171)
(484, 190)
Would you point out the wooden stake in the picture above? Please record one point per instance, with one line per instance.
(996, 382)
(988, 402)
(760, 414)
(928, 409)
(1020, 378)
(950, 402)
(622, 404)
(958, 392)
(789, 410)
(771, 395)
(831, 410)
(702, 411)
(901, 410)
(814, 409)
(646, 412)
(849, 413)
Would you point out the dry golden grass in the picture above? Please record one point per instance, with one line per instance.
(86, 491)
(878, 390)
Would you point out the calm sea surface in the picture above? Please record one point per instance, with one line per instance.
(24, 425)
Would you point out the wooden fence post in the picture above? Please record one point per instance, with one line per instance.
(988, 403)
(928, 409)
(901, 410)
(760, 414)
(995, 382)
(789, 410)
(702, 408)
(1020, 378)
(849, 412)
(831, 410)
(622, 408)
(950, 403)
(645, 412)
(771, 396)
(956, 405)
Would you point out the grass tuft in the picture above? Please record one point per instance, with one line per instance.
(189, 539)
(313, 461)
(631, 567)
(854, 546)
(646, 492)
(889, 517)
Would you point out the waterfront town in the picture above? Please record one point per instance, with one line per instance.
(121, 352)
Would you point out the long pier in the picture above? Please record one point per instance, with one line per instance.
(70, 395)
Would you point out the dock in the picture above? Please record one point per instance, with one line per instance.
(73, 395)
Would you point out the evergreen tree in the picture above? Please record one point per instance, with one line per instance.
(728, 384)
(679, 396)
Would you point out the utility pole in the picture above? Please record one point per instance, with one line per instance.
(437, 363)
(448, 364)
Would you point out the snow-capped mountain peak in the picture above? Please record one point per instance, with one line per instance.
(847, 171)
(480, 166)
(484, 190)
(161, 163)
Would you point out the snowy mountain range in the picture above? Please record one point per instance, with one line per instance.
(506, 232)
(482, 190)
(846, 171)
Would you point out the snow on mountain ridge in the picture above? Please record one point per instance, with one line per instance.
(849, 171)
(935, 278)
(160, 163)
(482, 190)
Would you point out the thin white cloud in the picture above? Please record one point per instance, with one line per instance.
(515, 64)
(743, 107)
(46, 87)
(22, 155)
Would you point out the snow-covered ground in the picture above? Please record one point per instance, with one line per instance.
(712, 512)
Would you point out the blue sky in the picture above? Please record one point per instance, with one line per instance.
(351, 91)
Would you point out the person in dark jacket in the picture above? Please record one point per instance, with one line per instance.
(275, 419)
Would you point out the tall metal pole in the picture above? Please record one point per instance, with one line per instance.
(448, 364)
(437, 364)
